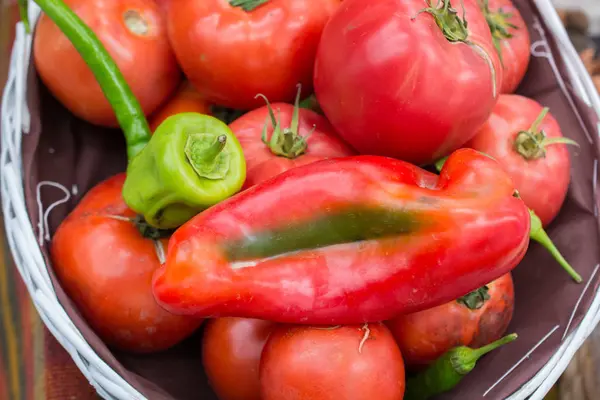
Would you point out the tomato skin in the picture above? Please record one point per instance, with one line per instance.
(370, 47)
(542, 183)
(262, 163)
(231, 351)
(516, 52)
(424, 336)
(186, 99)
(233, 55)
(146, 60)
(105, 266)
(319, 363)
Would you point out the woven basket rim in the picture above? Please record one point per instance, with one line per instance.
(28, 259)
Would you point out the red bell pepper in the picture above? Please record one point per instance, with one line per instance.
(347, 241)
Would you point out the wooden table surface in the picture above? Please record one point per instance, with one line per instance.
(34, 366)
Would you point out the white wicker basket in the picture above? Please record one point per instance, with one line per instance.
(30, 263)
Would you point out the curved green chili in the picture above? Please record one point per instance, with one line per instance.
(126, 107)
(448, 370)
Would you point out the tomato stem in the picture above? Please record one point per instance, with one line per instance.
(538, 234)
(531, 144)
(286, 142)
(247, 5)
(128, 111)
(446, 17)
(476, 299)
(499, 24)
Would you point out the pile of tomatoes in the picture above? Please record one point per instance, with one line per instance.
(385, 78)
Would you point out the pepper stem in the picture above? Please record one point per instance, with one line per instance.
(247, 5)
(538, 234)
(127, 109)
(439, 164)
(468, 357)
(531, 144)
(24, 13)
(286, 142)
(206, 156)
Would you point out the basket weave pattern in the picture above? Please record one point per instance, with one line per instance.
(22, 236)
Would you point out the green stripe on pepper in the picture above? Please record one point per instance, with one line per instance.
(192, 162)
(343, 226)
(448, 370)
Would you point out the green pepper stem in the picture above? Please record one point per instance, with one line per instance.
(126, 107)
(538, 234)
(439, 164)
(247, 5)
(475, 354)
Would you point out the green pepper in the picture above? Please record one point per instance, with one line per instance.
(168, 185)
(448, 370)
(192, 162)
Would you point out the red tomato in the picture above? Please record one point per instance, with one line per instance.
(133, 32)
(231, 350)
(511, 38)
(306, 139)
(105, 266)
(186, 99)
(472, 320)
(391, 83)
(540, 168)
(319, 363)
(233, 54)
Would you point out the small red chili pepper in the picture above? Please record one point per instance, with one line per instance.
(346, 241)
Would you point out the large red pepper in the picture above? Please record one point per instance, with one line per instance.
(346, 241)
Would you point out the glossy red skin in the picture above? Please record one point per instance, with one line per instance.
(516, 51)
(233, 55)
(105, 266)
(474, 231)
(186, 99)
(302, 363)
(231, 351)
(146, 61)
(394, 86)
(262, 163)
(426, 335)
(542, 183)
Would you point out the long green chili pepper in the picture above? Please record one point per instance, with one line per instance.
(448, 370)
(538, 234)
(192, 161)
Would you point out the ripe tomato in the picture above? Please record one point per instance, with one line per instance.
(475, 320)
(534, 155)
(392, 84)
(105, 266)
(511, 39)
(294, 136)
(186, 99)
(133, 32)
(344, 362)
(231, 350)
(233, 54)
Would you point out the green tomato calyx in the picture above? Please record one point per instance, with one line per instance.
(453, 26)
(285, 142)
(247, 5)
(476, 299)
(532, 143)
